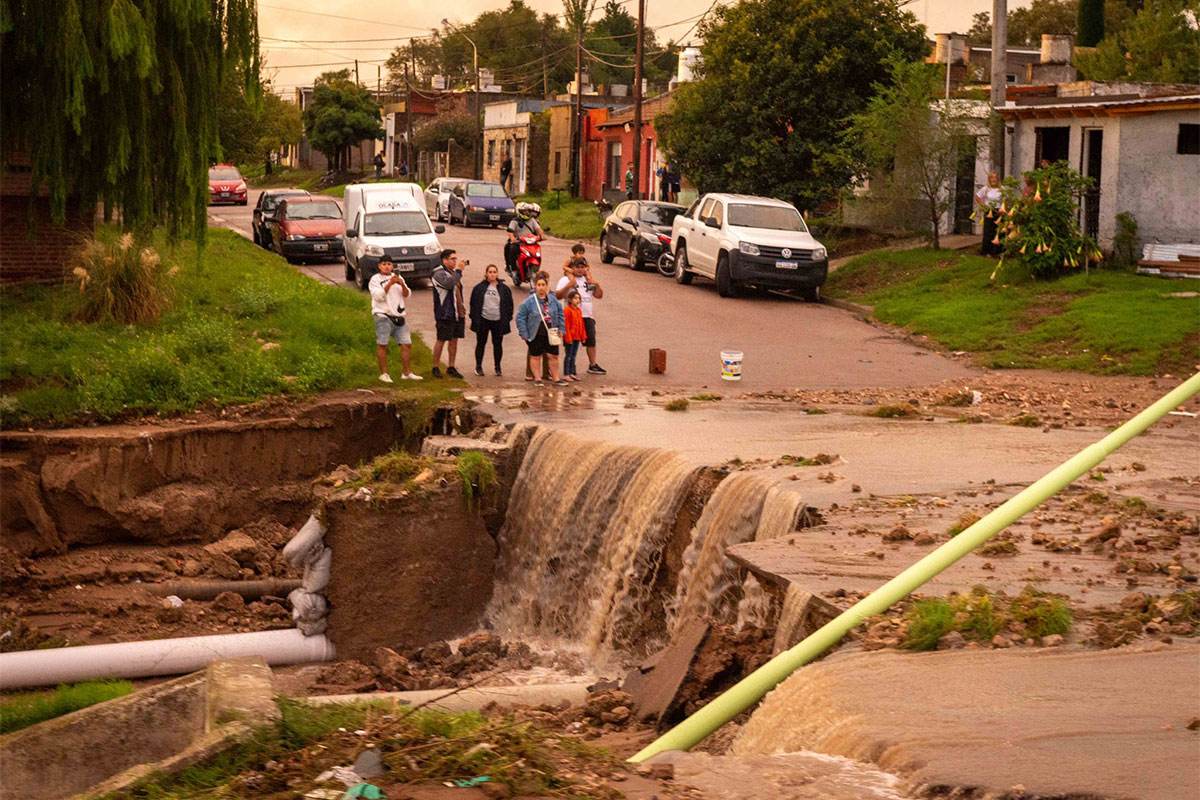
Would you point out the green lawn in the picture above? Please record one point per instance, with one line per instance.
(1105, 323)
(574, 219)
(207, 350)
(29, 708)
(280, 176)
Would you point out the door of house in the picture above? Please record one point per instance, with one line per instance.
(1092, 163)
(964, 185)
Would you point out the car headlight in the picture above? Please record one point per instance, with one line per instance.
(241, 187)
(819, 254)
(374, 250)
(432, 247)
(295, 237)
(748, 248)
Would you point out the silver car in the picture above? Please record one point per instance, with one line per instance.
(437, 197)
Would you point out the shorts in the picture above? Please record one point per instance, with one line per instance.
(589, 325)
(384, 330)
(540, 345)
(448, 329)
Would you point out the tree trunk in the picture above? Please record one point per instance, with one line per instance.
(935, 219)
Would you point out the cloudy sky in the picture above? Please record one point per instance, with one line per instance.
(302, 38)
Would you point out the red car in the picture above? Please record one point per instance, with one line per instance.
(308, 227)
(226, 185)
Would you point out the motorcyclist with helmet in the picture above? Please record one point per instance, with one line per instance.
(525, 223)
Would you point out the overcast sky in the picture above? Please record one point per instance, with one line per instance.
(312, 24)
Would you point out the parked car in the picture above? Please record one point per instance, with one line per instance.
(481, 203)
(388, 218)
(739, 240)
(264, 212)
(437, 197)
(308, 227)
(226, 185)
(639, 230)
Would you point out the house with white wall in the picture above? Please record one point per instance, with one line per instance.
(1140, 143)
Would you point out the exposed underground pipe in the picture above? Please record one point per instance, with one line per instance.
(208, 590)
(472, 699)
(156, 657)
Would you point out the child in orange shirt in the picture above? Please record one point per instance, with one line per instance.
(574, 335)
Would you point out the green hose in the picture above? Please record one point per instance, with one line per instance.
(754, 686)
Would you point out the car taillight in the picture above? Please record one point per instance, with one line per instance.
(664, 239)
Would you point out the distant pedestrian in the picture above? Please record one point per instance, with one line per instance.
(378, 162)
(988, 200)
(676, 183)
(388, 292)
(539, 319)
(449, 313)
(506, 172)
(574, 334)
(404, 168)
(268, 168)
(664, 182)
(629, 180)
(491, 314)
(578, 276)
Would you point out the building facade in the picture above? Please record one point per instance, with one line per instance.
(519, 130)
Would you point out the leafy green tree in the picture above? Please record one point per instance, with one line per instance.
(238, 115)
(279, 125)
(438, 132)
(1089, 23)
(611, 44)
(1158, 45)
(1027, 24)
(117, 100)
(909, 144)
(341, 115)
(778, 84)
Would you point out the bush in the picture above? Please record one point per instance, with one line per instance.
(1125, 243)
(478, 476)
(1041, 230)
(678, 404)
(121, 282)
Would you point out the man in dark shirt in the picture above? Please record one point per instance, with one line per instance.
(449, 311)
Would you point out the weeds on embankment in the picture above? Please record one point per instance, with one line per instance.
(980, 616)
(478, 476)
(29, 708)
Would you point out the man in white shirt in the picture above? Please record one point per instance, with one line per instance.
(387, 307)
(577, 275)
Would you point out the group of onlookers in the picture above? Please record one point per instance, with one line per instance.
(546, 320)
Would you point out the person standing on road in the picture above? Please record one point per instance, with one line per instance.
(378, 162)
(387, 307)
(676, 183)
(664, 182)
(448, 311)
(574, 334)
(629, 180)
(506, 171)
(988, 200)
(491, 314)
(578, 276)
(538, 315)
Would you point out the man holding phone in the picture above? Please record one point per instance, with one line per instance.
(388, 308)
(449, 311)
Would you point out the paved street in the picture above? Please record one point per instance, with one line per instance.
(786, 342)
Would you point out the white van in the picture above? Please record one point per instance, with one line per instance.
(388, 218)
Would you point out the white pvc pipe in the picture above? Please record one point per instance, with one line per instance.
(156, 657)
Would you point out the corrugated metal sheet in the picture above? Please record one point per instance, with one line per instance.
(1169, 252)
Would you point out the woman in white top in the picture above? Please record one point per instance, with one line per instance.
(988, 198)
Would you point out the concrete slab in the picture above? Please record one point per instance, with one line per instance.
(1103, 724)
(655, 686)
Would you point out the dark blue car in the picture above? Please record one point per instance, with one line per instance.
(481, 203)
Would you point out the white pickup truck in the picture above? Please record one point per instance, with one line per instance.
(738, 240)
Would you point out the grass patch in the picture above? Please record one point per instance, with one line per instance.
(29, 708)
(893, 412)
(1026, 421)
(567, 218)
(980, 615)
(207, 349)
(815, 411)
(706, 396)
(280, 177)
(1107, 322)
(478, 476)
(819, 460)
(678, 404)
(396, 466)
(966, 520)
(999, 547)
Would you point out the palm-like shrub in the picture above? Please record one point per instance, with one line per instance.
(121, 282)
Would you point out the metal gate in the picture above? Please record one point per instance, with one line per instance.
(432, 164)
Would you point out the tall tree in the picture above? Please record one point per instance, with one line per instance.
(1158, 45)
(778, 83)
(1027, 24)
(341, 115)
(1089, 23)
(611, 42)
(909, 145)
(116, 100)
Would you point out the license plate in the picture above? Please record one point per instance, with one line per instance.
(320, 248)
(494, 217)
(787, 265)
(407, 267)
(224, 194)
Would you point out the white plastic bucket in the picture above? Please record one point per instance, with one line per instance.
(731, 365)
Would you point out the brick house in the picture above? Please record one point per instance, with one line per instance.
(519, 129)
(608, 149)
(41, 251)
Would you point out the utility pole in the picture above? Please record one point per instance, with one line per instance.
(577, 135)
(637, 105)
(999, 82)
(357, 80)
(545, 67)
(408, 154)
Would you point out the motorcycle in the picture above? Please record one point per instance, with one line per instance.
(529, 260)
(666, 263)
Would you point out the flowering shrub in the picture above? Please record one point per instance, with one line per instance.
(120, 282)
(1039, 221)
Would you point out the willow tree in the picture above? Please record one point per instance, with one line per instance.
(116, 100)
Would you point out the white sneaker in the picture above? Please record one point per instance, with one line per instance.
(385, 378)
(408, 376)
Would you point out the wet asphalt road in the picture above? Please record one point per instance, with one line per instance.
(787, 343)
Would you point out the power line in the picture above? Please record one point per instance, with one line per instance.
(339, 16)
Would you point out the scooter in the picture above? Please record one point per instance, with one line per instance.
(529, 260)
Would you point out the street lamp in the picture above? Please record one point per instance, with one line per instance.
(477, 146)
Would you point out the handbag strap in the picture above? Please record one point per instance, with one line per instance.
(541, 313)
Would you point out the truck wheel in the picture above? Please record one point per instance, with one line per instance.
(811, 294)
(725, 285)
(606, 255)
(362, 279)
(682, 276)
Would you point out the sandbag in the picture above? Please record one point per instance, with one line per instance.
(306, 546)
(306, 606)
(316, 573)
(313, 628)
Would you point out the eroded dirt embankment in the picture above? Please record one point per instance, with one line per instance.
(181, 482)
